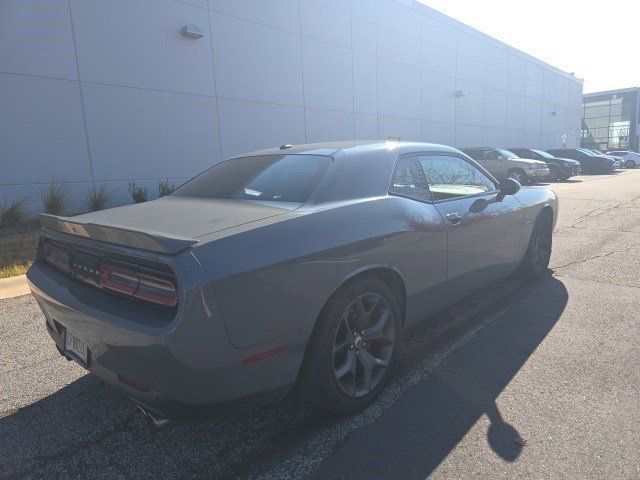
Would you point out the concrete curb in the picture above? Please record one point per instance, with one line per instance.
(14, 287)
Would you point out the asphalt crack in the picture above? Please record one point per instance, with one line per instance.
(43, 460)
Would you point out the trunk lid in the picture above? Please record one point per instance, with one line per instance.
(167, 225)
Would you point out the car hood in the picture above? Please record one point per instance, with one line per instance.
(182, 216)
(531, 162)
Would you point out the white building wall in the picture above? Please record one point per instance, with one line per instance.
(110, 91)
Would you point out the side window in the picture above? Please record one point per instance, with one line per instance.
(453, 177)
(408, 179)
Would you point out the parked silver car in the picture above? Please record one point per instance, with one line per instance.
(300, 263)
(629, 158)
(505, 164)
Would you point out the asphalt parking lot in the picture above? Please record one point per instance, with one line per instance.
(522, 380)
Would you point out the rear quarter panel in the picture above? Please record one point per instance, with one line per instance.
(533, 200)
(275, 279)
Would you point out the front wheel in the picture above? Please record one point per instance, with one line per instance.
(554, 173)
(517, 175)
(353, 348)
(630, 164)
(536, 259)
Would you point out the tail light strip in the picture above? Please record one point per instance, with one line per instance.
(132, 281)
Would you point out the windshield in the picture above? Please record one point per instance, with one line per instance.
(265, 178)
(507, 153)
(542, 153)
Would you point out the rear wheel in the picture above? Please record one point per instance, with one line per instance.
(536, 260)
(630, 164)
(517, 175)
(353, 348)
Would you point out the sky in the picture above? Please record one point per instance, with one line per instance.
(592, 39)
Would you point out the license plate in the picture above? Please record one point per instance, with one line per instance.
(77, 348)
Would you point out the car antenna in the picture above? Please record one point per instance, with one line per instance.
(285, 147)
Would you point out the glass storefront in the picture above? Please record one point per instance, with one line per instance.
(609, 121)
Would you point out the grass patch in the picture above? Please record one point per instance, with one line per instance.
(17, 253)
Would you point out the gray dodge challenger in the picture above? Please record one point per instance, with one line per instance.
(298, 265)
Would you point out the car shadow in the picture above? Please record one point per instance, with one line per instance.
(414, 436)
(89, 429)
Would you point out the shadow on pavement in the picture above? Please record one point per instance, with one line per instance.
(88, 429)
(418, 432)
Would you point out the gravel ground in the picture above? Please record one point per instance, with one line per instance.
(521, 380)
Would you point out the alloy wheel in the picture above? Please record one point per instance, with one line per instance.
(363, 344)
(517, 176)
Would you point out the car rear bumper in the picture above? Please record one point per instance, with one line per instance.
(187, 369)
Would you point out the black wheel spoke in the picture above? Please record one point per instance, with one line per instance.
(342, 345)
(376, 332)
(349, 366)
(363, 344)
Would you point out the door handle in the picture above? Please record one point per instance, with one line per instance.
(454, 217)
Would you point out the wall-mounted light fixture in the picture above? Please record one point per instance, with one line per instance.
(461, 93)
(555, 113)
(191, 31)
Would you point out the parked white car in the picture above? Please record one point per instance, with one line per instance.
(630, 158)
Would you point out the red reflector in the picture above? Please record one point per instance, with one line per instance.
(143, 387)
(262, 356)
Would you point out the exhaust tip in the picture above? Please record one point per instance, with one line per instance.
(155, 419)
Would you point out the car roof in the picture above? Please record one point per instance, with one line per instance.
(349, 147)
(478, 148)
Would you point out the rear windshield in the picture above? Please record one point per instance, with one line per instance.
(265, 178)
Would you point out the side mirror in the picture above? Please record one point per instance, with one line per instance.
(508, 186)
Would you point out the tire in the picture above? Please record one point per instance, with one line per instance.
(334, 376)
(630, 164)
(535, 264)
(554, 173)
(517, 175)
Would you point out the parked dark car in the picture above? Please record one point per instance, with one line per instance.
(294, 264)
(504, 164)
(589, 163)
(617, 161)
(559, 168)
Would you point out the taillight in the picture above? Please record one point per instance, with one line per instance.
(157, 290)
(56, 257)
(121, 280)
(124, 278)
(142, 285)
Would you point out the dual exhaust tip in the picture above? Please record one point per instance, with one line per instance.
(156, 419)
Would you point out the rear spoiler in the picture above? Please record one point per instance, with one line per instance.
(144, 240)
